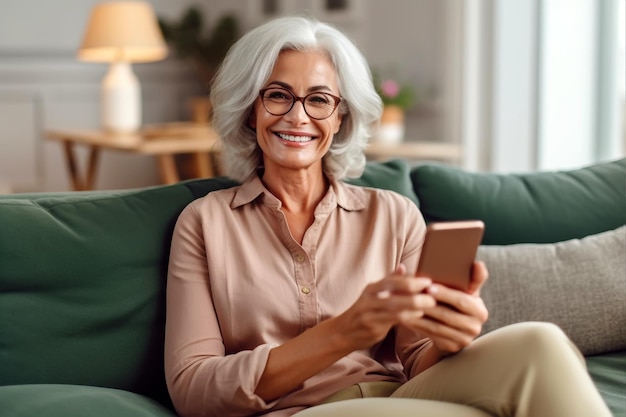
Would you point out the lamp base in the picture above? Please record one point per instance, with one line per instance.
(121, 99)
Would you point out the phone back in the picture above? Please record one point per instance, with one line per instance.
(449, 251)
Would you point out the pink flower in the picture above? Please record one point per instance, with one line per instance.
(390, 88)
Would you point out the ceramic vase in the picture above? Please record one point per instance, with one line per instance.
(391, 127)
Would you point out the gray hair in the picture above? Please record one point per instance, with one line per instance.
(249, 64)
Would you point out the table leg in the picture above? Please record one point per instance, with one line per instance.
(78, 183)
(72, 167)
(92, 168)
(167, 166)
(204, 165)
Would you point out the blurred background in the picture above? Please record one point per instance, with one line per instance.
(517, 85)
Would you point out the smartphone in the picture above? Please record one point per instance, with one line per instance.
(449, 251)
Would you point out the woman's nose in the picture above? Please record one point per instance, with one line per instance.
(297, 112)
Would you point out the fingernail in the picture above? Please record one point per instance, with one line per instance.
(383, 294)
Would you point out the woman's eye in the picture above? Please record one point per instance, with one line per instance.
(318, 99)
(278, 95)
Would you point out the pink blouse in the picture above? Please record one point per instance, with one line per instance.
(240, 285)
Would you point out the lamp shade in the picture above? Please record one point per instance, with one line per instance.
(122, 31)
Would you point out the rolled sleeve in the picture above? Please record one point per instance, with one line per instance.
(218, 385)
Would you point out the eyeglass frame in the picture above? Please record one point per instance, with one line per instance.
(295, 98)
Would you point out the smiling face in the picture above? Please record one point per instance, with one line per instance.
(295, 141)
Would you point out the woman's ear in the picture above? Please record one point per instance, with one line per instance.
(338, 123)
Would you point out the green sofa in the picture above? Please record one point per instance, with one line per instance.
(82, 277)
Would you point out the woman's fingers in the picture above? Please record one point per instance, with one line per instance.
(452, 321)
(445, 338)
(455, 321)
(397, 298)
(466, 304)
(382, 305)
(392, 300)
(397, 293)
(451, 318)
(400, 284)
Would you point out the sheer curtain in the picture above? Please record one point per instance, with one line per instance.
(544, 83)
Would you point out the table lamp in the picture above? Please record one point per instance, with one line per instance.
(122, 32)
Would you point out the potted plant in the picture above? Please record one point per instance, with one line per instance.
(397, 98)
(203, 48)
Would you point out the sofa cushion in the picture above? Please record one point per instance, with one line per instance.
(82, 281)
(44, 400)
(390, 175)
(542, 207)
(82, 285)
(579, 284)
(201, 187)
(608, 372)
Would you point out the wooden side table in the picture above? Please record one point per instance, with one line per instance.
(163, 141)
(415, 150)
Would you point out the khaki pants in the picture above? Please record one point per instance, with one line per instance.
(523, 370)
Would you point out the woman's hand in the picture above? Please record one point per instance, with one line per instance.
(458, 317)
(395, 299)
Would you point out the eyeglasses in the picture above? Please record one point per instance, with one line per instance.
(280, 101)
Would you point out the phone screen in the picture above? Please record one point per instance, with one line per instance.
(449, 251)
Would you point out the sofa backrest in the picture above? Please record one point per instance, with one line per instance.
(82, 275)
(544, 207)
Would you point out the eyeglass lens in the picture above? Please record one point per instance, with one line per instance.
(317, 105)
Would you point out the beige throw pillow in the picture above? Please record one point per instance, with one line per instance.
(578, 284)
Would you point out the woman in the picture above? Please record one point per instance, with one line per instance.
(294, 288)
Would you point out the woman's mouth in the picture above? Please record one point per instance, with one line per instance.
(294, 138)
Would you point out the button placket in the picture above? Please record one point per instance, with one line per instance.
(300, 258)
(305, 282)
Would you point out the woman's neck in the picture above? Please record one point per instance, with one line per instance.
(299, 191)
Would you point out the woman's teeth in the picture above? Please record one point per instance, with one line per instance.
(292, 138)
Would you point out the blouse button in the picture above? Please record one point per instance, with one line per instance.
(299, 258)
(305, 290)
